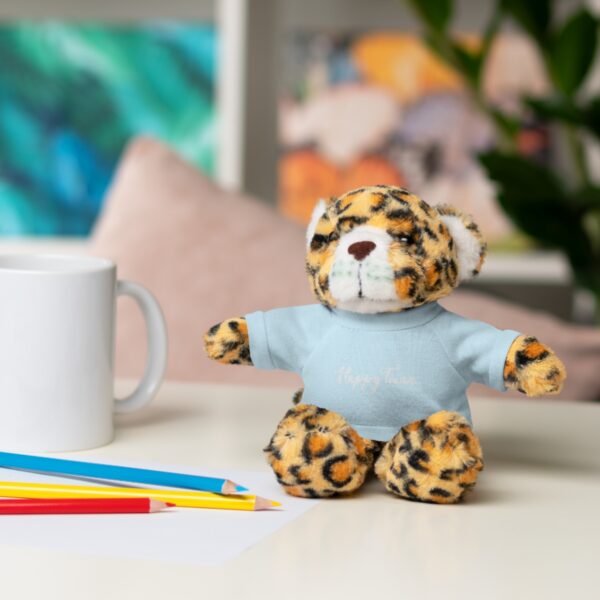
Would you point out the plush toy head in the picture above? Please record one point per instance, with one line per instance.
(382, 249)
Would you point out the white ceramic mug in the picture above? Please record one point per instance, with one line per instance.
(57, 323)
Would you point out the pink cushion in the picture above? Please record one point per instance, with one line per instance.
(207, 255)
(204, 253)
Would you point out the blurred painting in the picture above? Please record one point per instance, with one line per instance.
(382, 108)
(73, 94)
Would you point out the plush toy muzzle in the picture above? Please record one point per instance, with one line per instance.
(361, 276)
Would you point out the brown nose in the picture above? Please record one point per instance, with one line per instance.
(361, 250)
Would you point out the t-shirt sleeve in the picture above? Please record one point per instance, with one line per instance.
(476, 350)
(284, 338)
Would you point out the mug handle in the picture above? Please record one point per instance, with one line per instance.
(156, 362)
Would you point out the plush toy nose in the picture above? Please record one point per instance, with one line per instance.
(361, 250)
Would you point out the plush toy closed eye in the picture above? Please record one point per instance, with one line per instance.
(385, 367)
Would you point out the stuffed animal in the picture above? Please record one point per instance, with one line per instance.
(385, 367)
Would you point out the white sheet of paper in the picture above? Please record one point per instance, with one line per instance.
(183, 535)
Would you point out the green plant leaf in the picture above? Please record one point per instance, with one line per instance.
(556, 108)
(533, 15)
(491, 30)
(436, 44)
(587, 198)
(572, 50)
(469, 63)
(565, 110)
(537, 202)
(435, 13)
(591, 119)
(591, 223)
(522, 177)
(509, 124)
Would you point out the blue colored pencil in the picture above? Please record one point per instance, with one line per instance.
(59, 466)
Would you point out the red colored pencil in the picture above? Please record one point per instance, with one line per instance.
(79, 506)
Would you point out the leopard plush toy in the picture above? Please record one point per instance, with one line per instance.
(385, 367)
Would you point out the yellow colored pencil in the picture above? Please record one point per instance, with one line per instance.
(187, 499)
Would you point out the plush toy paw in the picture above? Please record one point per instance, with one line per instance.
(436, 459)
(228, 342)
(315, 453)
(532, 368)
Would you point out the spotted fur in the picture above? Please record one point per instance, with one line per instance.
(532, 368)
(471, 266)
(228, 342)
(435, 460)
(423, 254)
(315, 453)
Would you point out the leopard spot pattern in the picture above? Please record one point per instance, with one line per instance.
(433, 460)
(228, 342)
(315, 453)
(532, 368)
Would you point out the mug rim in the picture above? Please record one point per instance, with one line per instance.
(53, 263)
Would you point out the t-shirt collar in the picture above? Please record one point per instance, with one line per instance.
(412, 317)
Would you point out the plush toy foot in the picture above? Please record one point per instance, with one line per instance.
(432, 460)
(315, 453)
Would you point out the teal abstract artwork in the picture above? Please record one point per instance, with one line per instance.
(73, 94)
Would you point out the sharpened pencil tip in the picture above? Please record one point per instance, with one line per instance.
(229, 487)
(264, 503)
(157, 505)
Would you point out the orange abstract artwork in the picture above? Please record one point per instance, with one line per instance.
(305, 176)
(404, 65)
(362, 109)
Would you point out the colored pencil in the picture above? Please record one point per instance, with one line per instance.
(80, 506)
(59, 466)
(183, 498)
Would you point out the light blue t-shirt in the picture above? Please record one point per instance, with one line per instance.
(381, 371)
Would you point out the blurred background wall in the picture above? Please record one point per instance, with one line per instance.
(286, 100)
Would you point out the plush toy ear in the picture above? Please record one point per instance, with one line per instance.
(317, 213)
(469, 243)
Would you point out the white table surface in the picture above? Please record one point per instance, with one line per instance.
(531, 529)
